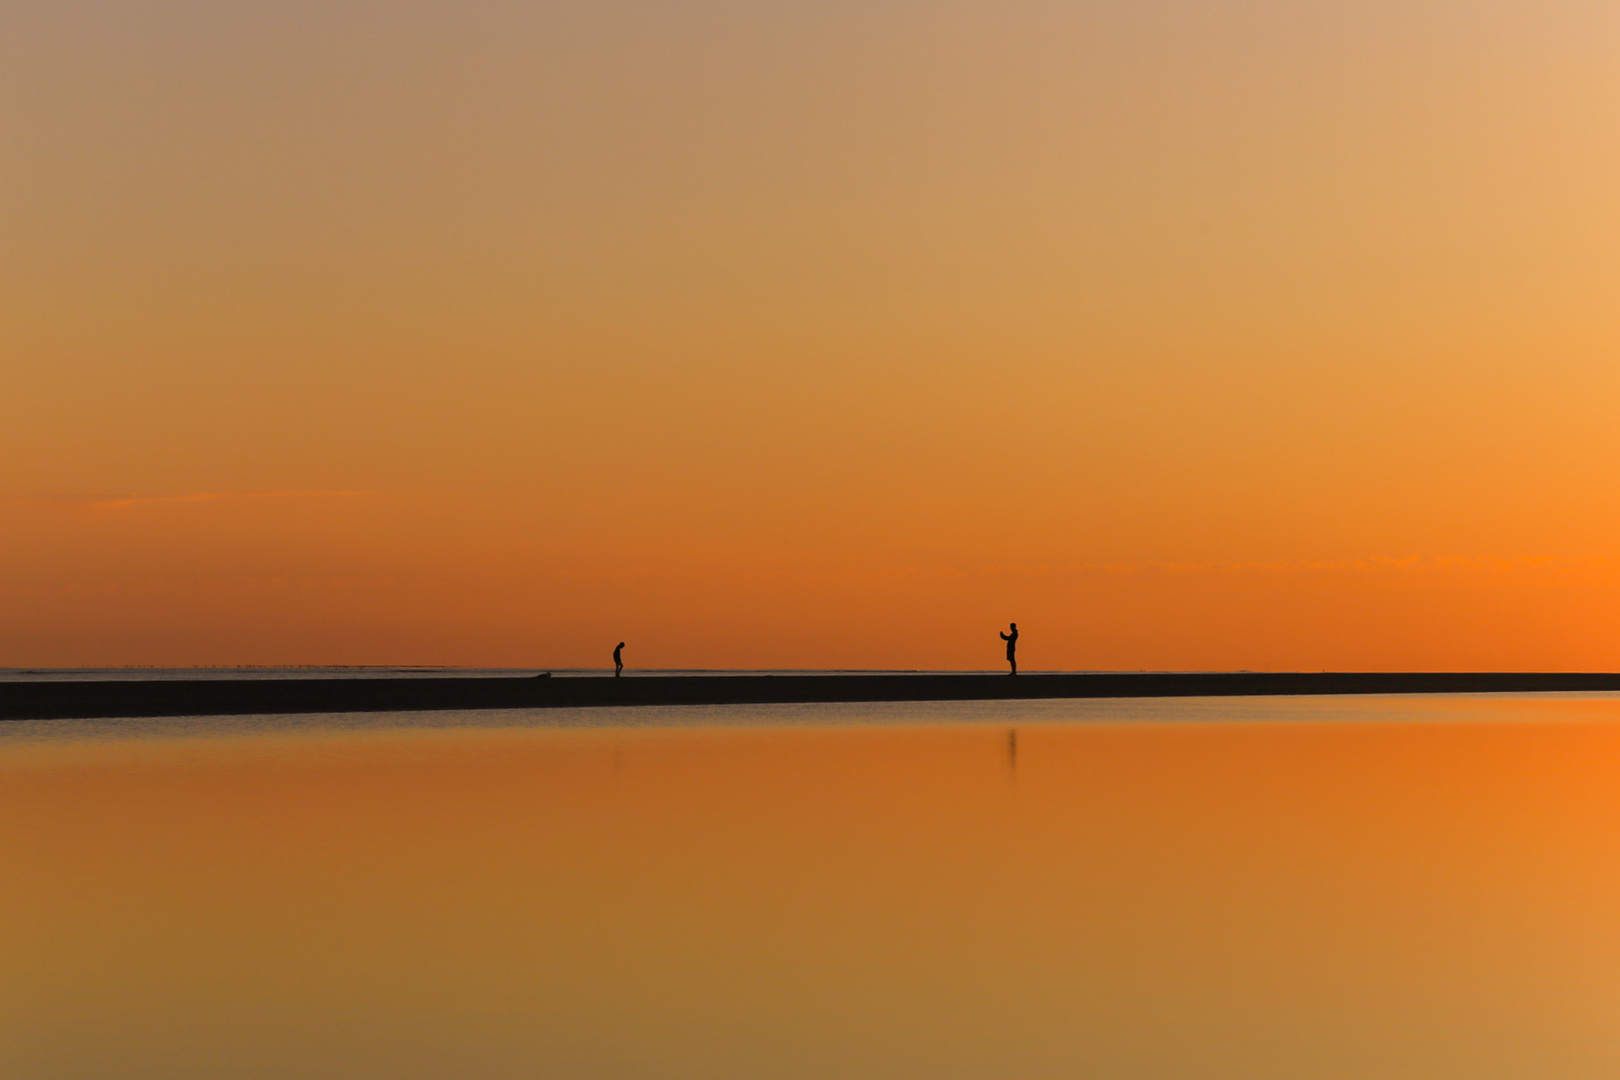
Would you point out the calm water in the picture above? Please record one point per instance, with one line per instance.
(1287, 888)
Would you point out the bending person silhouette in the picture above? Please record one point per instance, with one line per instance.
(1011, 638)
(618, 660)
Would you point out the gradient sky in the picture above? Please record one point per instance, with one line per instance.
(1245, 335)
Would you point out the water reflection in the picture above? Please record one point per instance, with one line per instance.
(977, 899)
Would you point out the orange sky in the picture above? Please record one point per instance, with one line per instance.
(791, 334)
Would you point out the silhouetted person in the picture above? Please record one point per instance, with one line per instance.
(1011, 638)
(618, 660)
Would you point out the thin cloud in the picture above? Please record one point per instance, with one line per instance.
(127, 501)
(1373, 564)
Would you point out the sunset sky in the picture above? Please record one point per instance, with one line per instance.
(1271, 335)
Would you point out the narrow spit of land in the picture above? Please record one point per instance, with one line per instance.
(215, 697)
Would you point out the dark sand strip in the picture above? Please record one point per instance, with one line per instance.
(221, 697)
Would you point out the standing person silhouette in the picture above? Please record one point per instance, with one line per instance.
(1011, 638)
(618, 660)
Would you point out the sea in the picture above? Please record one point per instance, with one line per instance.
(1255, 888)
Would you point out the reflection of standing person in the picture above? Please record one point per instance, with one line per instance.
(618, 660)
(1011, 638)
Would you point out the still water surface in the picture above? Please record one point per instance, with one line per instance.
(1254, 888)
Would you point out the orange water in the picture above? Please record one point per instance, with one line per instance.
(1257, 889)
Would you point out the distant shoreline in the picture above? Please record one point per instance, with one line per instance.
(65, 700)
